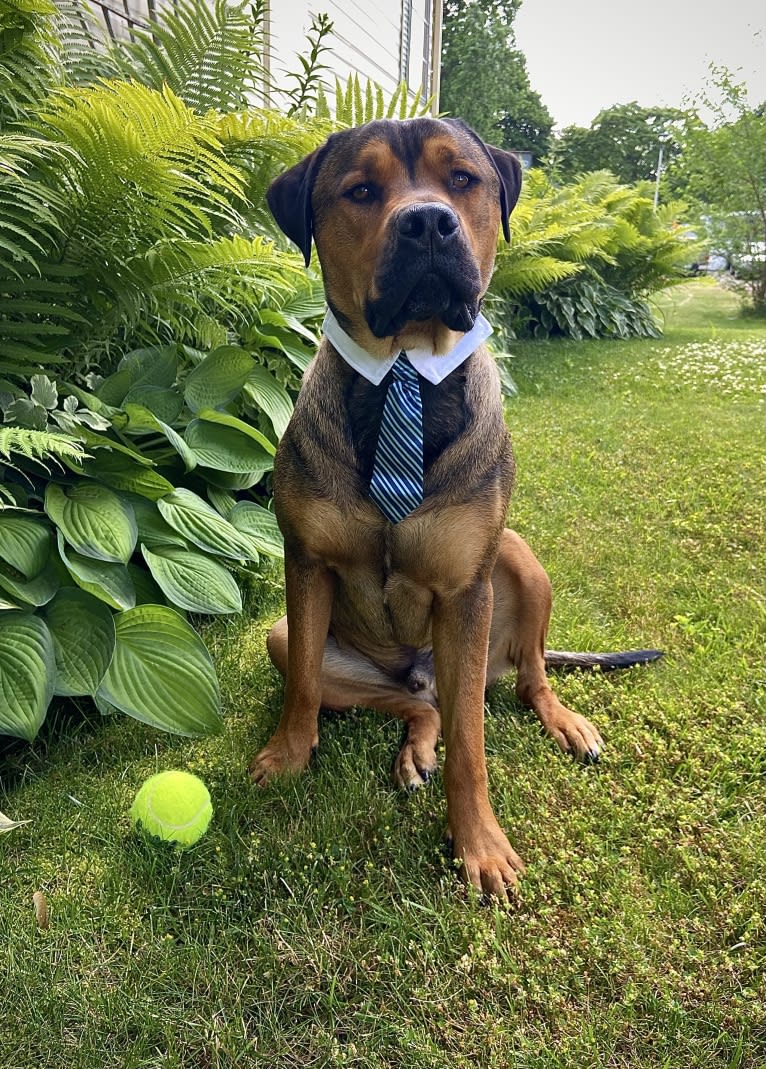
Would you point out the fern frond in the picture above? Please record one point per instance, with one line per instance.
(144, 166)
(30, 213)
(28, 56)
(40, 446)
(84, 54)
(353, 106)
(184, 282)
(260, 144)
(530, 274)
(208, 55)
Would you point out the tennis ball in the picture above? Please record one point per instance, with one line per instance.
(174, 806)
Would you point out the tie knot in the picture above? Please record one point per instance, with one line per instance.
(403, 370)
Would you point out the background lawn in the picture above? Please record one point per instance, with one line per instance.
(319, 923)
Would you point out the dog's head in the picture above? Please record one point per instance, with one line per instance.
(405, 216)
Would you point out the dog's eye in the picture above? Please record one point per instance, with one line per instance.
(361, 193)
(461, 180)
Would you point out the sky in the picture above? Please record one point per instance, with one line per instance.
(585, 55)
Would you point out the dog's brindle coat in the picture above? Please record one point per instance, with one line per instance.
(405, 216)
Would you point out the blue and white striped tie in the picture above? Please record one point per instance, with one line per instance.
(397, 476)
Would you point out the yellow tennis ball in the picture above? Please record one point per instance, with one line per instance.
(174, 806)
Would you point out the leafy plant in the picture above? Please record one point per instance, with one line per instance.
(308, 80)
(208, 55)
(152, 336)
(80, 616)
(584, 259)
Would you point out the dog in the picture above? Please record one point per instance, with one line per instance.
(414, 617)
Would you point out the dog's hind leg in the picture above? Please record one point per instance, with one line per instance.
(349, 679)
(522, 608)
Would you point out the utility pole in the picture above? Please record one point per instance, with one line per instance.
(659, 175)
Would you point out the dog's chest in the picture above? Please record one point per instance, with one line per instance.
(444, 417)
(387, 576)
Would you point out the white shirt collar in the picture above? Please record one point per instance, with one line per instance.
(433, 368)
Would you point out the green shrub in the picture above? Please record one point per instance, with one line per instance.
(584, 258)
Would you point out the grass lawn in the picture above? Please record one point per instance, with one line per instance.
(319, 923)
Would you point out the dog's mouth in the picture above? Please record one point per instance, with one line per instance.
(447, 289)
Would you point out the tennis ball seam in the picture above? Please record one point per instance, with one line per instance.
(151, 812)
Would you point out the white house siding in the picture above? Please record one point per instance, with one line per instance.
(386, 42)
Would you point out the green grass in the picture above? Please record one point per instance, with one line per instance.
(319, 923)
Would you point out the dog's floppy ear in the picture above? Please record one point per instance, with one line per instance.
(509, 172)
(507, 168)
(289, 199)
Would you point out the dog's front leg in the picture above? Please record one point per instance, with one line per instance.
(309, 589)
(460, 627)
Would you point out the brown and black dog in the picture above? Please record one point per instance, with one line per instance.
(405, 216)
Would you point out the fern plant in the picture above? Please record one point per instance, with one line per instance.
(584, 258)
(354, 106)
(43, 447)
(208, 55)
(28, 56)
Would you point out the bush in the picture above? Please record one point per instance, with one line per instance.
(585, 258)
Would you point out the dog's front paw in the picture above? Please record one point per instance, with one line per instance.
(574, 734)
(488, 861)
(280, 756)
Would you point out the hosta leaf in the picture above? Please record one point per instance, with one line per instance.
(156, 366)
(141, 419)
(199, 523)
(211, 415)
(113, 389)
(193, 581)
(153, 530)
(83, 640)
(221, 500)
(162, 674)
(227, 480)
(25, 544)
(260, 524)
(110, 583)
(94, 521)
(121, 474)
(27, 674)
(162, 402)
(147, 591)
(219, 378)
(97, 441)
(37, 591)
(225, 449)
(263, 390)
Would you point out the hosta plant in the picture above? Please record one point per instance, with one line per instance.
(119, 516)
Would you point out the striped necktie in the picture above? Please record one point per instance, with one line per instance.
(397, 476)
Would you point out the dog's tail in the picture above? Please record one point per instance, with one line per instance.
(600, 662)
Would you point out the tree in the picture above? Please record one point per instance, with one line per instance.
(484, 77)
(723, 169)
(623, 139)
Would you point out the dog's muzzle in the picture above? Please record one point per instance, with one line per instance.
(427, 272)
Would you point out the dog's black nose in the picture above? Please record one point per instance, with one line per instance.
(427, 224)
